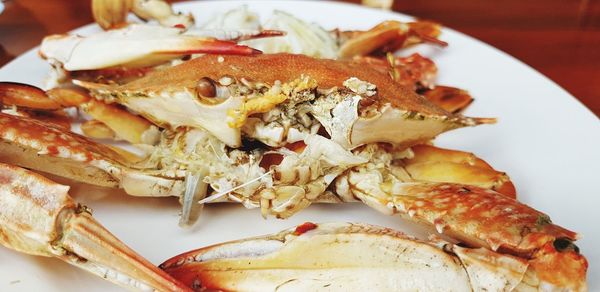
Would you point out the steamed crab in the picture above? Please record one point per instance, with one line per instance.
(304, 121)
(274, 132)
(316, 140)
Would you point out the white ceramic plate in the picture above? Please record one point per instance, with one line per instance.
(545, 139)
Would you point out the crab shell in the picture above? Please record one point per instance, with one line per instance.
(397, 115)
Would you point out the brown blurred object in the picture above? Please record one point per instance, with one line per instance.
(383, 4)
(559, 38)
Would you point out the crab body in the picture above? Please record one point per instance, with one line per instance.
(332, 92)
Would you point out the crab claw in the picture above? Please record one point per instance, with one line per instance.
(139, 45)
(358, 257)
(38, 217)
(342, 257)
(478, 216)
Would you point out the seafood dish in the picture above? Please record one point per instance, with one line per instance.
(273, 116)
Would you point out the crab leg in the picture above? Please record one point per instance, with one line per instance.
(29, 143)
(25, 96)
(38, 217)
(29, 101)
(452, 99)
(125, 125)
(418, 73)
(97, 130)
(358, 257)
(472, 214)
(388, 36)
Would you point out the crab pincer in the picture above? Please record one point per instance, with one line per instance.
(38, 217)
(141, 45)
(359, 257)
(485, 219)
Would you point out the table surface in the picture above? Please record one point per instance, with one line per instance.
(560, 38)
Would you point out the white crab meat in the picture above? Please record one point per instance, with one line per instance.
(350, 127)
(235, 175)
(301, 37)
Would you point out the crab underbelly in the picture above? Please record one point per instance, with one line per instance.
(395, 126)
(181, 109)
(385, 123)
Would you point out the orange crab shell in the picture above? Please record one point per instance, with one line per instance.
(56, 151)
(481, 217)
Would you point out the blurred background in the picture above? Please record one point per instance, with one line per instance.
(560, 38)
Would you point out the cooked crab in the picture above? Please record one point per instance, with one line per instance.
(331, 254)
(152, 44)
(313, 118)
(278, 132)
(311, 39)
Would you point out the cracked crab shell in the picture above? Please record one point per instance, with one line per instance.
(396, 114)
